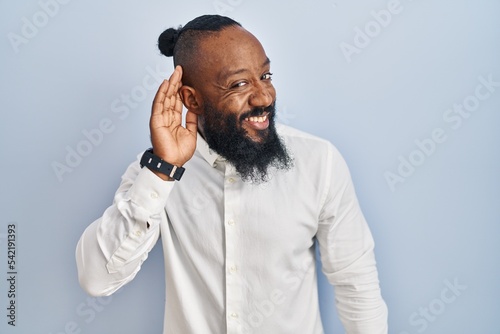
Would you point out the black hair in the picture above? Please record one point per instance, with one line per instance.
(181, 43)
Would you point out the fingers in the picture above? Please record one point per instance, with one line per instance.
(191, 122)
(175, 80)
(160, 98)
(167, 95)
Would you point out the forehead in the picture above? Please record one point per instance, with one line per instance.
(231, 50)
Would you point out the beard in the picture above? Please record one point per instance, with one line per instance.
(253, 160)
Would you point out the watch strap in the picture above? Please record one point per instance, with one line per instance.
(155, 163)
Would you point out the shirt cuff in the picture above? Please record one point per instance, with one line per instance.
(150, 192)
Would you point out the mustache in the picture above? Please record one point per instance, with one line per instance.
(271, 109)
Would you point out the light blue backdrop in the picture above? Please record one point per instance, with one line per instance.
(409, 91)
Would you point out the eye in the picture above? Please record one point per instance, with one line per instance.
(239, 84)
(267, 76)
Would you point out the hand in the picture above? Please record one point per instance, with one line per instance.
(171, 141)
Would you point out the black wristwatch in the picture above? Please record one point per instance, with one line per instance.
(155, 163)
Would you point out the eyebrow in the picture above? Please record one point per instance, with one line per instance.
(226, 73)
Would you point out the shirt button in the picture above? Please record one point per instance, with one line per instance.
(234, 315)
(231, 180)
(230, 222)
(233, 269)
(154, 195)
(138, 233)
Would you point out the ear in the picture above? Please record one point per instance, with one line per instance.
(190, 99)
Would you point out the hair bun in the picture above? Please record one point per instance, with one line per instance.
(167, 41)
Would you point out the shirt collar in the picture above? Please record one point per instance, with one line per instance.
(208, 154)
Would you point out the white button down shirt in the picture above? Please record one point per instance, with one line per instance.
(239, 257)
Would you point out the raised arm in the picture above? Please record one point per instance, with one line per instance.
(111, 250)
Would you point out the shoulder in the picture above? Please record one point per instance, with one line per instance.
(311, 152)
(290, 132)
(301, 142)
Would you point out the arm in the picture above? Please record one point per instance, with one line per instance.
(111, 250)
(346, 247)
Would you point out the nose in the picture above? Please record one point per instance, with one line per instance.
(262, 95)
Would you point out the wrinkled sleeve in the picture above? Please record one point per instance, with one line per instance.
(347, 254)
(112, 249)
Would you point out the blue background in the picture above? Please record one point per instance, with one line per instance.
(69, 67)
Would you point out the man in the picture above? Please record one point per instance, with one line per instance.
(239, 230)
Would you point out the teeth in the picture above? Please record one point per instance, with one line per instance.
(256, 119)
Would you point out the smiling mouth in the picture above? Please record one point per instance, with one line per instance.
(258, 119)
(257, 123)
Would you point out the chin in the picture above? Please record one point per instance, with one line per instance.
(258, 136)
